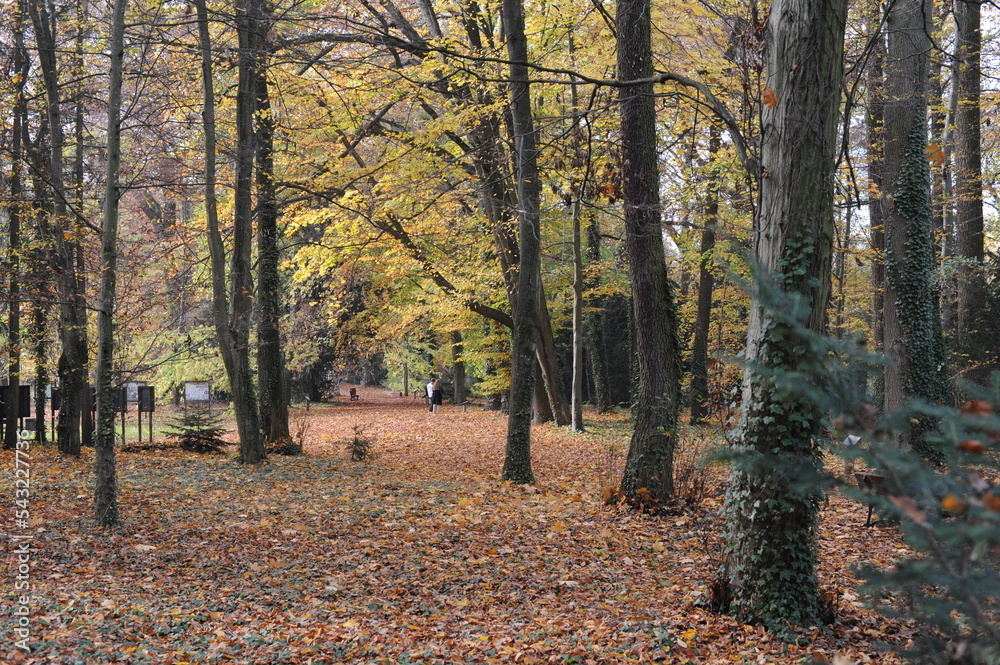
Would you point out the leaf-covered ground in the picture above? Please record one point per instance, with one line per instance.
(420, 556)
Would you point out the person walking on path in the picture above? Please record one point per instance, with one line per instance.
(436, 396)
(430, 395)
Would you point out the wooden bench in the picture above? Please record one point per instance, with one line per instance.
(871, 484)
(354, 395)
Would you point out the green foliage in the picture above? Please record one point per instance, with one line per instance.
(949, 514)
(360, 446)
(777, 479)
(198, 431)
(912, 275)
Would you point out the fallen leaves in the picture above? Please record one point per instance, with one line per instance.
(421, 556)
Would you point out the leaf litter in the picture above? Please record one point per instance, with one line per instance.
(418, 556)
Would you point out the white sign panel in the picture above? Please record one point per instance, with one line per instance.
(197, 391)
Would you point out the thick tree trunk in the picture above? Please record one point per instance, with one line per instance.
(648, 475)
(270, 363)
(105, 470)
(771, 521)
(912, 332)
(517, 460)
(706, 283)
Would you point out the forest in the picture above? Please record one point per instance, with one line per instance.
(704, 282)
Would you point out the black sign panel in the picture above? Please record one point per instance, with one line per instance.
(147, 402)
(121, 400)
(23, 401)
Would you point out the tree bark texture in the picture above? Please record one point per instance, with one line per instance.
(648, 475)
(594, 325)
(517, 459)
(73, 360)
(700, 396)
(105, 466)
(251, 41)
(771, 519)
(907, 62)
(975, 334)
(270, 363)
(13, 263)
(912, 333)
(875, 127)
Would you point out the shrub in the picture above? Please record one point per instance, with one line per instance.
(199, 431)
(361, 447)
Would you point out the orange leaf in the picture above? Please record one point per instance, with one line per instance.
(770, 99)
(935, 154)
(952, 504)
(977, 407)
(972, 446)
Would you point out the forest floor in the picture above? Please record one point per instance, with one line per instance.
(419, 556)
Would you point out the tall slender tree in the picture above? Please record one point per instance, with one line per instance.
(270, 364)
(68, 254)
(973, 329)
(706, 285)
(105, 472)
(15, 215)
(517, 460)
(648, 474)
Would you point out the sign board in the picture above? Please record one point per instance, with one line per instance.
(147, 402)
(121, 401)
(23, 401)
(197, 391)
(132, 390)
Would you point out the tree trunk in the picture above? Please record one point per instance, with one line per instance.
(105, 474)
(13, 263)
(86, 415)
(517, 460)
(578, 335)
(771, 519)
(251, 40)
(973, 330)
(72, 304)
(545, 350)
(648, 475)
(458, 367)
(596, 348)
(270, 364)
(232, 315)
(912, 332)
(875, 126)
(706, 284)
(543, 407)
